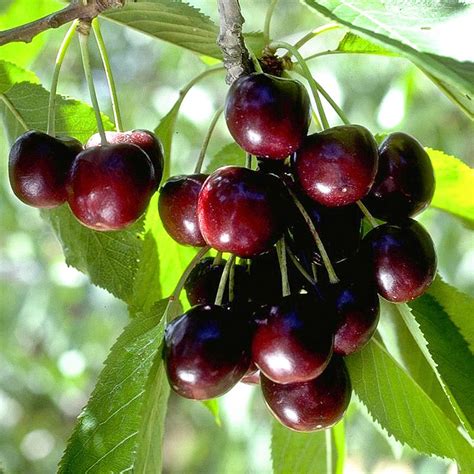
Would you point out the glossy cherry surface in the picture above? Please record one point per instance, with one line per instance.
(337, 167)
(313, 405)
(206, 352)
(268, 116)
(110, 186)
(402, 258)
(239, 211)
(177, 206)
(145, 139)
(293, 340)
(38, 168)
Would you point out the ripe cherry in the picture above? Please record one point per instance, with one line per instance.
(206, 352)
(293, 340)
(38, 168)
(239, 211)
(312, 405)
(337, 167)
(110, 186)
(268, 116)
(177, 206)
(144, 139)
(402, 258)
(405, 184)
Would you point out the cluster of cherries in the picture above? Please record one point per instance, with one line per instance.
(290, 332)
(108, 186)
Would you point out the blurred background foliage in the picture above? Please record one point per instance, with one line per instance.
(56, 329)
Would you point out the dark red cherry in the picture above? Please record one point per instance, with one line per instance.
(206, 352)
(203, 281)
(177, 206)
(402, 258)
(144, 139)
(337, 167)
(239, 211)
(268, 116)
(293, 339)
(313, 405)
(405, 183)
(38, 168)
(110, 186)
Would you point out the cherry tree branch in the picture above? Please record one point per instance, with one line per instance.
(78, 9)
(231, 41)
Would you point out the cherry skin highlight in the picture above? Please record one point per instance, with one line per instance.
(405, 183)
(293, 340)
(337, 167)
(267, 116)
(177, 206)
(39, 166)
(313, 405)
(402, 258)
(239, 211)
(145, 139)
(110, 186)
(206, 352)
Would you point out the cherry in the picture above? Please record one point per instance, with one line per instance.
(337, 167)
(110, 186)
(177, 206)
(405, 184)
(239, 211)
(402, 258)
(267, 116)
(312, 405)
(293, 340)
(144, 139)
(206, 352)
(203, 281)
(38, 168)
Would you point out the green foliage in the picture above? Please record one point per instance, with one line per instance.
(230, 154)
(10, 74)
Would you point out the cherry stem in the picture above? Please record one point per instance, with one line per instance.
(207, 138)
(217, 259)
(319, 244)
(316, 32)
(108, 74)
(268, 19)
(83, 39)
(367, 214)
(329, 467)
(51, 127)
(307, 74)
(255, 62)
(314, 271)
(232, 281)
(299, 266)
(281, 252)
(223, 280)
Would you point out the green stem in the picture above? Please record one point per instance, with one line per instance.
(329, 467)
(319, 244)
(255, 61)
(316, 32)
(207, 138)
(108, 73)
(367, 214)
(217, 259)
(307, 74)
(14, 112)
(281, 252)
(268, 19)
(231, 281)
(51, 127)
(90, 82)
(299, 266)
(223, 280)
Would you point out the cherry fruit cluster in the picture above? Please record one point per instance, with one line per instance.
(287, 323)
(108, 186)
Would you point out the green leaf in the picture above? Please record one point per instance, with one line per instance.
(430, 34)
(213, 406)
(10, 74)
(173, 21)
(352, 43)
(454, 186)
(400, 406)
(121, 427)
(230, 154)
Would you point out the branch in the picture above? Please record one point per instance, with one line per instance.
(77, 9)
(231, 41)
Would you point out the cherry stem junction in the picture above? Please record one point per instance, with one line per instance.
(367, 214)
(207, 138)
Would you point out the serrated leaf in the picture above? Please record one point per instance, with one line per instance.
(173, 21)
(454, 186)
(430, 34)
(230, 154)
(122, 424)
(10, 74)
(403, 409)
